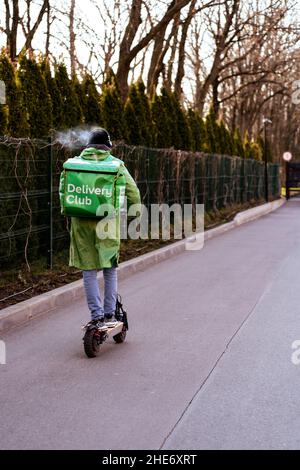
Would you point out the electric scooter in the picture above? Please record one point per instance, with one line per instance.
(93, 337)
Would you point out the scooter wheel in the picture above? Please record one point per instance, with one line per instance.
(91, 343)
(120, 337)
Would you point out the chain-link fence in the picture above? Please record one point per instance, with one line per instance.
(31, 225)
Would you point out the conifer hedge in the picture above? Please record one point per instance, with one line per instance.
(41, 98)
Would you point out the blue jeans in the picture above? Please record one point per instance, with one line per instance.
(92, 291)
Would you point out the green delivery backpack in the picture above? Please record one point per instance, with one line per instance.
(90, 184)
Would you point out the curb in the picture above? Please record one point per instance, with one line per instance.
(255, 212)
(27, 310)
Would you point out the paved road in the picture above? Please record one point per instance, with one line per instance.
(206, 365)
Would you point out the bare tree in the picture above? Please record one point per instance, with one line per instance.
(72, 37)
(127, 51)
(223, 39)
(158, 53)
(260, 58)
(33, 29)
(181, 50)
(48, 30)
(13, 21)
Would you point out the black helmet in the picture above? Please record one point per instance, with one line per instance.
(100, 136)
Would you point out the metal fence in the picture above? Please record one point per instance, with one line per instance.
(32, 227)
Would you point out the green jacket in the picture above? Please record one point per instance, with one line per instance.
(87, 251)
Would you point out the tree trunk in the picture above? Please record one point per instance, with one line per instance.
(28, 22)
(47, 46)
(127, 54)
(220, 47)
(173, 51)
(33, 30)
(216, 103)
(155, 64)
(154, 68)
(125, 46)
(72, 38)
(14, 31)
(7, 24)
(181, 52)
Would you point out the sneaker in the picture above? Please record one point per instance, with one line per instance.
(99, 323)
(110, 321)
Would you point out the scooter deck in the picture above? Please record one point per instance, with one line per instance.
(112, 331)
